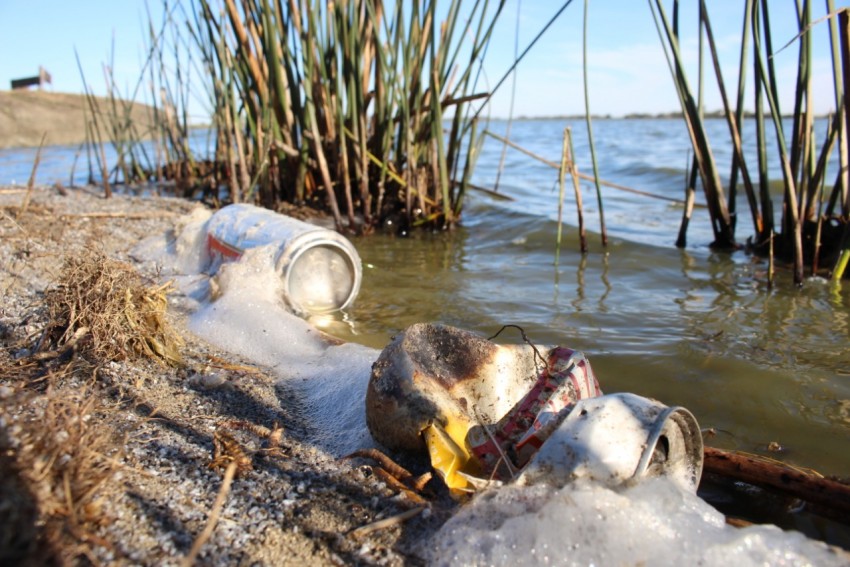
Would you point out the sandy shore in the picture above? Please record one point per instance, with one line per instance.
(108, 461)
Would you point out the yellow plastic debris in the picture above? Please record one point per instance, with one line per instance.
(448, 457)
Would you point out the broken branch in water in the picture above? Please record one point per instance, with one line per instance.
(830, 496)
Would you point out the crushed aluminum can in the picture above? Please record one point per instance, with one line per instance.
(432, 383)
(469, 401)
(320, 268)
(433, 373)
(485, 411)
(566, 379)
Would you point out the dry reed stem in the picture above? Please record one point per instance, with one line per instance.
(118, 215)
(398, 471)
(31, 181)
(218, 362)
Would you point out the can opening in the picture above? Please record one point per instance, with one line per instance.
(660, 457)
(321, 278)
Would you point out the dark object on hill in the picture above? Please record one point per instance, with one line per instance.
(39, 80)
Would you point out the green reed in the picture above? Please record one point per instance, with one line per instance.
(603, 231)
(358, 107)
(813, 224)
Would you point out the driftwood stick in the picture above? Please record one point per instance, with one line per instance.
(119, 215)
(830, 494)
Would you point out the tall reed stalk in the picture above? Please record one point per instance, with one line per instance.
(809, 232)
(602, 230)
(568, 164)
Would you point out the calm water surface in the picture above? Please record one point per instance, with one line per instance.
(690, 327)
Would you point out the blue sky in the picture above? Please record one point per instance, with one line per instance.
(628, 72)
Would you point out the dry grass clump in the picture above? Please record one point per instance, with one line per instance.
(56, 460)
(102, 306)
(57, 446)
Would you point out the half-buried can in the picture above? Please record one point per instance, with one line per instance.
(320, 268)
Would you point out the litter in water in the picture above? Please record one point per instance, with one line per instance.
(485, 411)
(583, 522)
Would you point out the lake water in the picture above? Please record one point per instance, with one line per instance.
(689, 327)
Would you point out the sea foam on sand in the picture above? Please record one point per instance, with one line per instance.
(329, 381)
(653, 523)
(240, 310)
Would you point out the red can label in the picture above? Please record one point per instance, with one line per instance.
(566, 379)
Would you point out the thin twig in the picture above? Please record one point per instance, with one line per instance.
(18, 226)
(525, 339)
(386, 522)
(388, 464)
(31, 181)
(212, 520)
(119, 215)
(503, 457)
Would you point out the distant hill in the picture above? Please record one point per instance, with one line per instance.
(26, 115)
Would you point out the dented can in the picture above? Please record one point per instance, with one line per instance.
(486, 412)
(480, 409)
(566, 379)
(620, 439)
(320, 269)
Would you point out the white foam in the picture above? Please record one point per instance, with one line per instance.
(181, 251)
(334, 395)
(190, 244)
(653, 523)
(248, 318)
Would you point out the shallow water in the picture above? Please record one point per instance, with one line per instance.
(690, 327)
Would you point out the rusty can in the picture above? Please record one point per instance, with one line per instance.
(320, 268)
(489, 412)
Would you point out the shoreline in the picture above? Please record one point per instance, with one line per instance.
(27, 115)
(168, 434)
(161, 426)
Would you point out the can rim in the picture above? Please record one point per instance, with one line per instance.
(306, 241)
